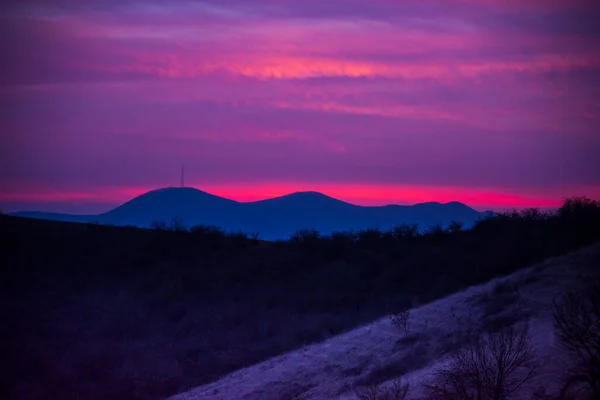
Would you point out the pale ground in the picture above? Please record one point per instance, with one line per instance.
(377, 352)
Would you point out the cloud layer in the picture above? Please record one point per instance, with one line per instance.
(486, 101)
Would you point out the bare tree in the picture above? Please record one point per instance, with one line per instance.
(177, 224)
(158, 225)
(398, 391)
(371, 392)
(490, 367)
(407, 231)
(577, 323)
(401, 320)
(455, 226)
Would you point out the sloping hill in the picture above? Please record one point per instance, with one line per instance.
(276, 218)
(156, 205)
(165, 204)
(378, 353)
(97, 312)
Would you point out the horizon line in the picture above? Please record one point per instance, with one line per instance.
(139, 192)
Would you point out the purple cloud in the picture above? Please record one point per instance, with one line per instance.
(464, 93)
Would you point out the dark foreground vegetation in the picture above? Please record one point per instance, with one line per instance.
(97, 312)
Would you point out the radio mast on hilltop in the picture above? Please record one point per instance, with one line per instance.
(182, 171)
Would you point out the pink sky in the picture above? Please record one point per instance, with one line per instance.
(488, 102)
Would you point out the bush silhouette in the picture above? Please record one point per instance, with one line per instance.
(454, 227)
(401, 320)
(490, 367)
(577, 324)
(406, 232)
(399, 391)
(158, 225)
(306, 236)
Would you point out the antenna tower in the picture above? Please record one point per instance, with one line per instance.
(182, 171)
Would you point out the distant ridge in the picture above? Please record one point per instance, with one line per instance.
(274, 218)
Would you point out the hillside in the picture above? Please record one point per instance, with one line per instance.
(95, 311)
(276, 218)
(377, 353)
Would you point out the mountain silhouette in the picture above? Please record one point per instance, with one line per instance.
(189, 204)
(274, 218)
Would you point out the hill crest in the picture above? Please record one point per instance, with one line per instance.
(273, 218)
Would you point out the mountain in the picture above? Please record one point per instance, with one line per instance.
(274, 218)
(191, 205)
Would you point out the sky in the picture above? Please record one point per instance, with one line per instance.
(494, 103)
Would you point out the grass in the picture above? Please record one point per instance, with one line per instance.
(93, 311)
(367, 359)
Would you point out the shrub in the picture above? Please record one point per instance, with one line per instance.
(401, 320)
(406, 231)
(532, 214)
(578, 206)
(305, 236)
(158, 225)
(490, 367)
(371, 392)
(577, 323)
(342, 238)
(207, 230)
(254, 236)
(398, 391)
(369, 237)
(435, 230)
(435, 234)
(455, 226)
(177, 225)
